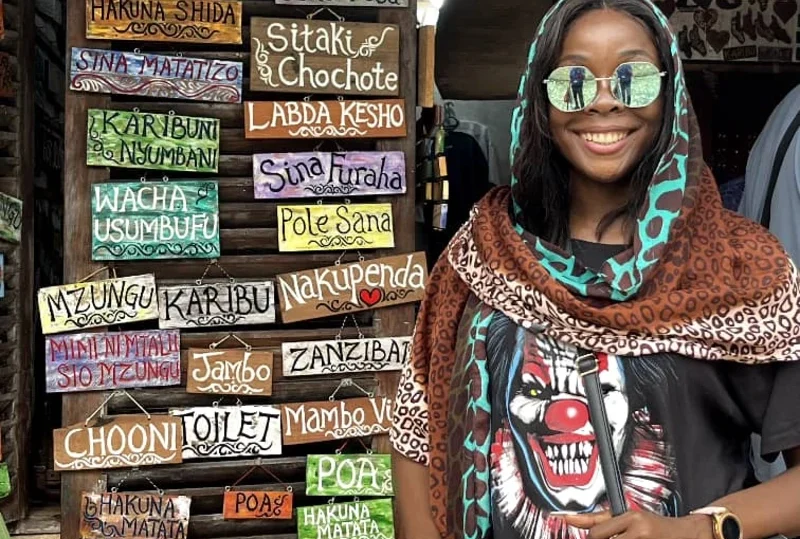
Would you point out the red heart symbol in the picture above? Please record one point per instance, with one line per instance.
(371, 297)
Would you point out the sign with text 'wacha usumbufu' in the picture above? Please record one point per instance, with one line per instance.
(345, 3)
(155, 220)
(342, 356)
(10, 218)
(145, 140)
(252, 504)
(154, 75)
(95, 304)
(111, 515)
(216, 304)
(100, 361)
(354, 520)
(310, 422)
(326, 174)
(229, 372)
(187, 21)
(324, 57)
(326, 227)
(349, 475)
(349, 288)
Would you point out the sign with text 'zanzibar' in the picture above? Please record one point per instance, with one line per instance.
(345, 3)
(344, 356)
(349, 475)
(355, 520)
(229, 372)
(111, 515)
(310, 422)
(216, 304)
(335, 227)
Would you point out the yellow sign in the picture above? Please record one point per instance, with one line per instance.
(333, 227)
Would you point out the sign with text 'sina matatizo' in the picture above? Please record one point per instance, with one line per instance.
(326, 227)
(111, 515)
(354, 520)
(349, 475)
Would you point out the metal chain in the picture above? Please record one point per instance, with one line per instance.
(214, 262)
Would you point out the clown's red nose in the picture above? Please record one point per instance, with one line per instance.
(566, 415)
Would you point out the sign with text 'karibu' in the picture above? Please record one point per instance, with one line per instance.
(252, 504)
(95, 304)
(345, 3)
(385, 118)
(10, 218)
(124, 441)
(216, 304)
(342, 356)
(100, 361)
(348, 288)
(229, 372)
(355, 520)
(110, 515)
(155, 220)
(349, 475)
(153, 75)
(335, 227)
(188, 21)
(324, 57)
(325, 174)
(145, 140)
(311, 422)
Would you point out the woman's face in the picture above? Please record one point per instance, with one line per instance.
(606, 140)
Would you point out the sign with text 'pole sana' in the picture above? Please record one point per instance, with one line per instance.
(326, 227)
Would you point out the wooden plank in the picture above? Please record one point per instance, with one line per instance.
(249, 504)
(349, 475)
(10, 218)
(134, 515)
(186, 21)
(341, 356)
(155, 75)
(8, 77)
(216, 304)
(352, 3)
(332, 227)
(315, 57)
(426, 67)
(373, 519)
(309, 422)
(230, 372)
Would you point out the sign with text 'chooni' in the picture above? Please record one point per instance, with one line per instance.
(345, 3)
(310, 422)
(324, 57)
(349, 475)
(349, 288)
(354, 520)
(110, 515)
(187, 21)
(229, 372)
(342, 356)
(216, 304)
(252, 504)
(335, 227)
(10, 218)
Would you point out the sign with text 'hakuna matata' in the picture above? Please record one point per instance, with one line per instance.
(344, 356)
(356, 520)
(111, 515)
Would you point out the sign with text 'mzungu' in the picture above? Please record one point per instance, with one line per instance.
(109, 515)
(252, 504)
(348, 288)
(99, 361)
(344, 356)
(117, 138)
(97, 303)
(326, 227)
(324, 57)
(188, 21)
(309, 422)
(10, 218)
(349, 475)
(355, 520)
(153, 75)
(345, 3)
(385, 118)
(155, 220)
(229, 372)
(325, 174)
(216, 304)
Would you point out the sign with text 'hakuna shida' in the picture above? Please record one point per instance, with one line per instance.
(216, 304)
(111, 515)
(356, 520)
(229, 372)
(327, 227)
(349, 475)
(310, 422)
(344, 356)
(345, 3)
(10, 218)
(151, 141)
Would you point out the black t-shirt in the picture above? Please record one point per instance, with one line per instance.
(681, 427)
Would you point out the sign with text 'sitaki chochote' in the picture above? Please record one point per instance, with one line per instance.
(327, 227)
(341, 356)
(10, 218)
(349, 475)
(186, 306)
(345, 3)
(108, 515)
(353, 520)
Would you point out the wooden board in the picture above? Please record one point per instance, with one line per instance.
(187, 21)
(349, 288)
(7, 76)
(100, 361)
(250, 504)
(385, 118)
(2, 275)
(310, 422)
(216, 304)
(134, 515)
(153, 75)
(142, 140)
(355, 520)
(123, 441)
(324, 57)
(342, 356)
(10, 218)
(326, 174)
(343, 3)
(349, 475)
(229, 372)
(155, 220)
(230, 431)
(97, 303)
(333, 227)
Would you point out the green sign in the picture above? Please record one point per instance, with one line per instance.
(357, 520)
(152, 141)
(349, 475)
(155, 220)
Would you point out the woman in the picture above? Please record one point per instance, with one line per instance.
(612, 240)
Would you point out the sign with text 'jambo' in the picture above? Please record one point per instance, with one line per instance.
(349, 475)
(10, 218)
(345, 3)
(250, 504)
(216, 304)
(311, 422)
(100, 361)
(229, 372)
(111, 515)
(355, 520)
(342, 356)
(335, 227)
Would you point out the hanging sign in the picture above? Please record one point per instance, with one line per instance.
(153, 75)
(349, 475)
(97, 303)
(333, 227)
(385, 118)
(155, 220)
(229, 372)
(2, 275)
(123, 441)
(151, 141)
(348, 288)
(355, 520)
(109, 515)
(10, 218)
(310, 422)
(344, 356)
(249, 504)
(100, 361)
(216, 304)
(324, 57)
(187, 21)
(7, 75)
(325, 174)
(230, 431)
(345, 3)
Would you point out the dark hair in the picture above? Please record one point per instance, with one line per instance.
(542, 191)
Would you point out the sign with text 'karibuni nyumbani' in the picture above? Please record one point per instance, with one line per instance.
(342, 356)
(310, 422)
(355, 520)
(111, 515)
(349, 475)
(229, 372)
(326, 227)
(216, 304)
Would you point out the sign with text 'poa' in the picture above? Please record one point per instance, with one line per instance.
(349, 475)
(355, 520)
(343, 356)
(110, 515)
(310, 422)
(334, 227)
(253, 504)
(229, 372)
(216, 304)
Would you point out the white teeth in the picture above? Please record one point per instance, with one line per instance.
(560, 467)
(604, 138)
(564, 451)
(584, 466)
(572, 449)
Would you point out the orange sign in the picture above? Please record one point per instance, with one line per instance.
(248, 504)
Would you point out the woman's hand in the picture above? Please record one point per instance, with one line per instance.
(641, 525)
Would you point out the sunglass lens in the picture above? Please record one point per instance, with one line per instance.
(637, 84)
(571, 88)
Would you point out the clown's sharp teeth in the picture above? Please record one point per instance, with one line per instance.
(564, 451)
(572, 448)
(573, 383)
(568, 467)
(587, 448)
(584, 466)
(560, 467)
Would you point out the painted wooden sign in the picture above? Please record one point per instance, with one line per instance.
(97, 303)
(144, 140)
(345, 3)
(109, 515)
(334, 227)
(309, 422)
(187, 21)
(153, 75)
(123, 441)
(250, 504)
(2, 275)
(100, 361)
(155, 220)
(324, 57)
(229, 372)
(10, 218)
(344, 356)
(354, 520)
(384, 118)
(8, 86)
(349, 475)
(230, 431)
(216, 304)
(348, 288)
(325, 174)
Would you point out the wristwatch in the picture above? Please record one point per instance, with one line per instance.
(726, 524)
